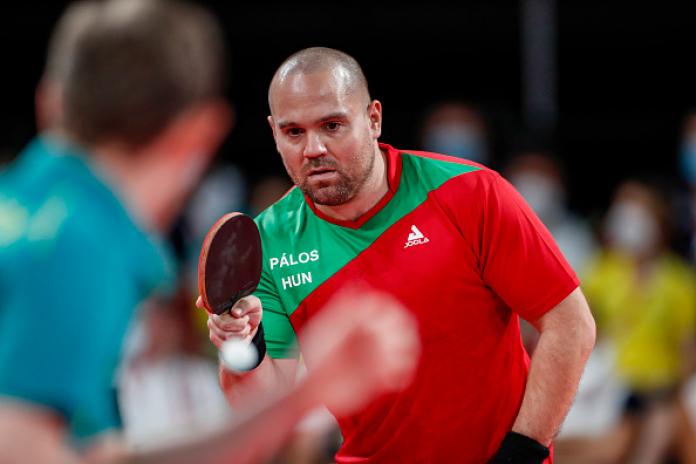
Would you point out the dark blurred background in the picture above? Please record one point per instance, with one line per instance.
(623, 76)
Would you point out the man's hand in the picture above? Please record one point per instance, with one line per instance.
(361, 345)
(241, 321)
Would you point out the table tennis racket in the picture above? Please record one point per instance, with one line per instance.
(229, 267)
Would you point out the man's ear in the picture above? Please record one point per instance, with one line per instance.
(270, 123)
(198, 131)
(207, 126)
(375, 115)
(48, 105)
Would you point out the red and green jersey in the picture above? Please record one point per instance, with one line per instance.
(458, 246)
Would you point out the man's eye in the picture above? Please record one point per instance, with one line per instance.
(332, 126)
(294, 132)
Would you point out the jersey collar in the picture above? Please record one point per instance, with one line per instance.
(393, 168)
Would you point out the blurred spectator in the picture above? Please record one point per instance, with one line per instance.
(687, 421)
(457, 129)
(538, 178)
(592, 432)
(644, 300)
(166, 387)
(267, 191)
(686, 197)
(222, 190)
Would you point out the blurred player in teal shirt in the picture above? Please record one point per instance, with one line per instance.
(131, 113)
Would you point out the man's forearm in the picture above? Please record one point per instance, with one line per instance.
(557, 365)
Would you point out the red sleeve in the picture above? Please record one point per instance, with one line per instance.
(517, 256)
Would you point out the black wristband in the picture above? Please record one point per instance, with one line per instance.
(260, 343)
(520, 449)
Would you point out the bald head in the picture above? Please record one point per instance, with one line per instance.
(339, 65)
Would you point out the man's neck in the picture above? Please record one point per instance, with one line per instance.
(375, 187)
(121, 171)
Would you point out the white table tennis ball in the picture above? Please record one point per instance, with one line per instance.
(238, 355)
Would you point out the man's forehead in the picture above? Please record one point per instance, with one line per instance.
(326, 83)
(313, 95)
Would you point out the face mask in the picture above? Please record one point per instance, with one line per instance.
(631, 228)
(542, 194)
(224, 189)
(457, 140)
(687, 159)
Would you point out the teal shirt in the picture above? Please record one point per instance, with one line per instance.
(73, 268)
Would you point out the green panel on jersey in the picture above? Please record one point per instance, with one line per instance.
(301, 251)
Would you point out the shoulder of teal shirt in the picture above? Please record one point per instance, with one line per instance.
(50, 169)
(62, 211)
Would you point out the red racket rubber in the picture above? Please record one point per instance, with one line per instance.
(229, 267)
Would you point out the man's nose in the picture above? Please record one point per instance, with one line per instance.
(314, 147)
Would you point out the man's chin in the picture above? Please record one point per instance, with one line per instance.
(327, 196)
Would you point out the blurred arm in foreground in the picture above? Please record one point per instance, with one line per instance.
(365, 346)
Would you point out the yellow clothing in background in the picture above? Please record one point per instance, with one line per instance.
(648, 320)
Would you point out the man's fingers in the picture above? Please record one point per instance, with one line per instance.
(229, 323)
(216, 331)
(217, 341)
(243, 306)
(231, 327)
(247, 305)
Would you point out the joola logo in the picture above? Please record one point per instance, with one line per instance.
(416, 237)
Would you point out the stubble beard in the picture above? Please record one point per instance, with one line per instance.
(345, 188)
